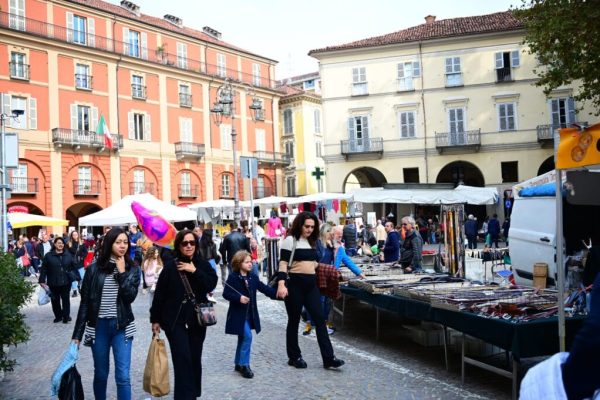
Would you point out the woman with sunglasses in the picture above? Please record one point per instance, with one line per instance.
(173, 312)
(302, 290)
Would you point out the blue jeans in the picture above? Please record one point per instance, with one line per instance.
(108, 336)
(242, 353)
(326, 305)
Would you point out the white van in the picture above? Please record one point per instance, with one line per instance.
(532, 234)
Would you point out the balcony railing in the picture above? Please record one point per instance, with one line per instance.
(185, 100)
(138, 91)
(260, 192)
(362, 146)
(189, 150)
(86, 187)
(19, 71)
(226, 192)
(79, 138)
(141, 187)
(83, 81)
(20, 185)
(156, 55)
(504, 75)
(272, 159)
(458, 139)
(545, 133)
(185, 190)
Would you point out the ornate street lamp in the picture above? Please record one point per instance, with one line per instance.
(224, 107)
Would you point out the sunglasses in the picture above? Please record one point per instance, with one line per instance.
(186, 243)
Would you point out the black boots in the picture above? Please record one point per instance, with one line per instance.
(246, 372)
(333, 363)
(299, 363)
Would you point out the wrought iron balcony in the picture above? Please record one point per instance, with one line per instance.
(189, 191)
(138, 91)
(83, 139)
(458, 140)
(141, 187)
(225, 192)
(185, 100)
(23, 186)
(19, 71)
(83, 81)
(157, 55)
(189, 150)
(545, 133)
(262, 191)
(504, 75)
(366, 146)
(86, 187)
(271, 159)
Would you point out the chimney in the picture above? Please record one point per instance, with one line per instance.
(430, 19)
(174, 20)
(134, 8)
(212, 32)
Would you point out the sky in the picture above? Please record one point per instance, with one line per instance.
(286, 31)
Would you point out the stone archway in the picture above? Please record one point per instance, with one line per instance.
(82, 209)
(461, 172)
(546, 166)
(363, 177)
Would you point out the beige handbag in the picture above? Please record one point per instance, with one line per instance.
(156, 373)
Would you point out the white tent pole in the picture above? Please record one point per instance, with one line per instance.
(560, 265)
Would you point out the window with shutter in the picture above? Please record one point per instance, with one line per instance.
(563, 112)
(186, 186)
(407, 124)
(317, 118)
(256, 81)
(16, 11)
(504, 62)
(456, 121)
(79, 29)
(287, 122)
(261, 142)
(138, 126)
(225, 133)
(221, 65)
(225, 190)
(182, 55)
(453, 72)
(359, 81)
(6, 107)
(139, 185)
(32, 113)
(18, 103)
(91, 32)
(507, 116)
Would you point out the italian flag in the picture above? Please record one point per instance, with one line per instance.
(103, 130)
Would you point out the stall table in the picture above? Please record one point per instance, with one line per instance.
(522, 339)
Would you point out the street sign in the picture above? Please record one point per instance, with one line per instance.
(249, 167)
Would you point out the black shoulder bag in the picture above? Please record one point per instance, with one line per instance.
(205, 312)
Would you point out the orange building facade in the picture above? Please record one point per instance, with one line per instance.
(68, 64)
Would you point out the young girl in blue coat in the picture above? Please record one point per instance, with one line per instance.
(242, 316)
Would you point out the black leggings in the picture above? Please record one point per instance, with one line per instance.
(61, 294)
(303, 291)
(186, 353)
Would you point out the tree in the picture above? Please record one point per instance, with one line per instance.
(14, 293)
(565, 36)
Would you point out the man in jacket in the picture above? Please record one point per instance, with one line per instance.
(471, 231)
(494, 230)
(349, 236)
(391, 249)
(232, 243)
(411, 254)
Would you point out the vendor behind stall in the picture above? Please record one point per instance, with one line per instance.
(412, 247)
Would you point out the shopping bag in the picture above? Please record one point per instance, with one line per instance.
(70, 385)
(156, 373)
(43, 296)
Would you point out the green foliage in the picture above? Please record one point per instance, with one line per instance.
(14, 293)
(565, 36)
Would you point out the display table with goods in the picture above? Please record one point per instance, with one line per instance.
(520, 320)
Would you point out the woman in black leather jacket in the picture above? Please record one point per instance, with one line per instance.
(55, 270)
(172, 311)
(105, 317)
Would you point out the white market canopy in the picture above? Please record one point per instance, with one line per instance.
(22, 220)
(269, 201)
(461, 194)
(120, 213)
(319, 197)
(219, 203)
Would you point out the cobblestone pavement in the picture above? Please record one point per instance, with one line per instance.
(392, 368)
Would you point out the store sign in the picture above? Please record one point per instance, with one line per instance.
(18, 209)
(578, 148)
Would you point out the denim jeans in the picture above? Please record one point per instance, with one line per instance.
(108, 336)
(326, 304)
(242, 352)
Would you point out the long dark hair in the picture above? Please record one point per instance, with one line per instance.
(296, 229)
(206, 243)
(106, 251)
(179, 238)
(54, 241)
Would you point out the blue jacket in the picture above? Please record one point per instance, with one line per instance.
(493, 226)
(391, 250)
(471, 227)
(236, 315)
(326, 256)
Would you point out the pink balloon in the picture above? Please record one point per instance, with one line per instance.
(158, 230)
